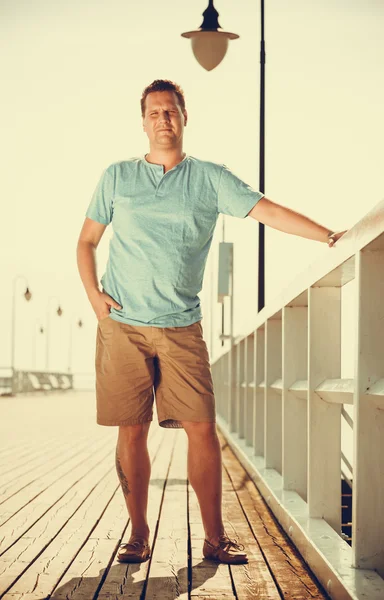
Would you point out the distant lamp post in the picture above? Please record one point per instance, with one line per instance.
(27, 296)
(41, 331)
(79, 324)
(210, 42)
(59, 312)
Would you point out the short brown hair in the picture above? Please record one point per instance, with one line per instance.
(162, 85)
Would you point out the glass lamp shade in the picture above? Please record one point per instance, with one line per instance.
(209, 47)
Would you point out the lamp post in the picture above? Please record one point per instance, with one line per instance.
(27, 296)
(209, 45)
(41, 331)
(79, 324)
(47, 341)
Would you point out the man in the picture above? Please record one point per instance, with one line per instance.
(163, 207)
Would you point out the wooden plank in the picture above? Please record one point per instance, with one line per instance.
(8, 444)
(168, 574)
(56, 504)
(39, 507)
(283, 563)
(17, 453)
(98, 554)
(252, 581)
(208, 579)
(42, 493)
(128, 580)
(77, 557)
(15, 465)
(45, 462)
(19, 556)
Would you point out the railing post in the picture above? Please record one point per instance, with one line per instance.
(368, 421)
(324, 418)
(258, 398)
(232, 409)
(273, 408)
(249, 378)
(240, 388)
(294, 368)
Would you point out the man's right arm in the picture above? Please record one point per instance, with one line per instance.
(90, 236)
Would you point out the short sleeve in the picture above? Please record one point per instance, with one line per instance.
(100, 208)
(235, 197)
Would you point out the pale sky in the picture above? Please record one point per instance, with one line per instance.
(72, 76)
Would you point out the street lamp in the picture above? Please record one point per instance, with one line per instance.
(209, 45)
(210, 42)
(59, 313)
(27, 296)
(79, 324)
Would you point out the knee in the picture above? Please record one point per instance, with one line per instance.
(199, 429)
(133, 433)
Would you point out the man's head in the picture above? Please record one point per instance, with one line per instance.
(164, 113)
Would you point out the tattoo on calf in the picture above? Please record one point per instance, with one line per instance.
(122, 477)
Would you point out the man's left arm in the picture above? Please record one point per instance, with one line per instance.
(287, 220)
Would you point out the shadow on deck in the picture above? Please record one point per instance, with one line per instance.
(63, 516)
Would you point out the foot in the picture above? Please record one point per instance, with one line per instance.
(225, 550)
(136, 550)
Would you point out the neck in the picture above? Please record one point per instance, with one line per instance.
(166, 157)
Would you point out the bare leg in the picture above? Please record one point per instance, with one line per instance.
(205, 476)
(134, 471)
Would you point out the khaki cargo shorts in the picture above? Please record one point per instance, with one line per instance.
(137, 364)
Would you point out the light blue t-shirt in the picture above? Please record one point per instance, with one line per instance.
(163, 225)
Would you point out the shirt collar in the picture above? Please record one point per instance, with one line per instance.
(156, 166)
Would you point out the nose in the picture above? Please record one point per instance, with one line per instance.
(165, 117)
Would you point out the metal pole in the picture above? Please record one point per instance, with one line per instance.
(261, 265)
(13, 326)
(34, 350)
(70, 347)
(47, 332)
(47, 342)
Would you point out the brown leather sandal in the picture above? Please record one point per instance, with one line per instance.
(226, 551)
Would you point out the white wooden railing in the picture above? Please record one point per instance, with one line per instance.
(14, 382)
(279, 402)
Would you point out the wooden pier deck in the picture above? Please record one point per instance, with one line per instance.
(63, 516)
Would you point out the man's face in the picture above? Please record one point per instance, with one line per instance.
(164, 120)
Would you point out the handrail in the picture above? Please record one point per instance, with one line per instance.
(280, 401)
